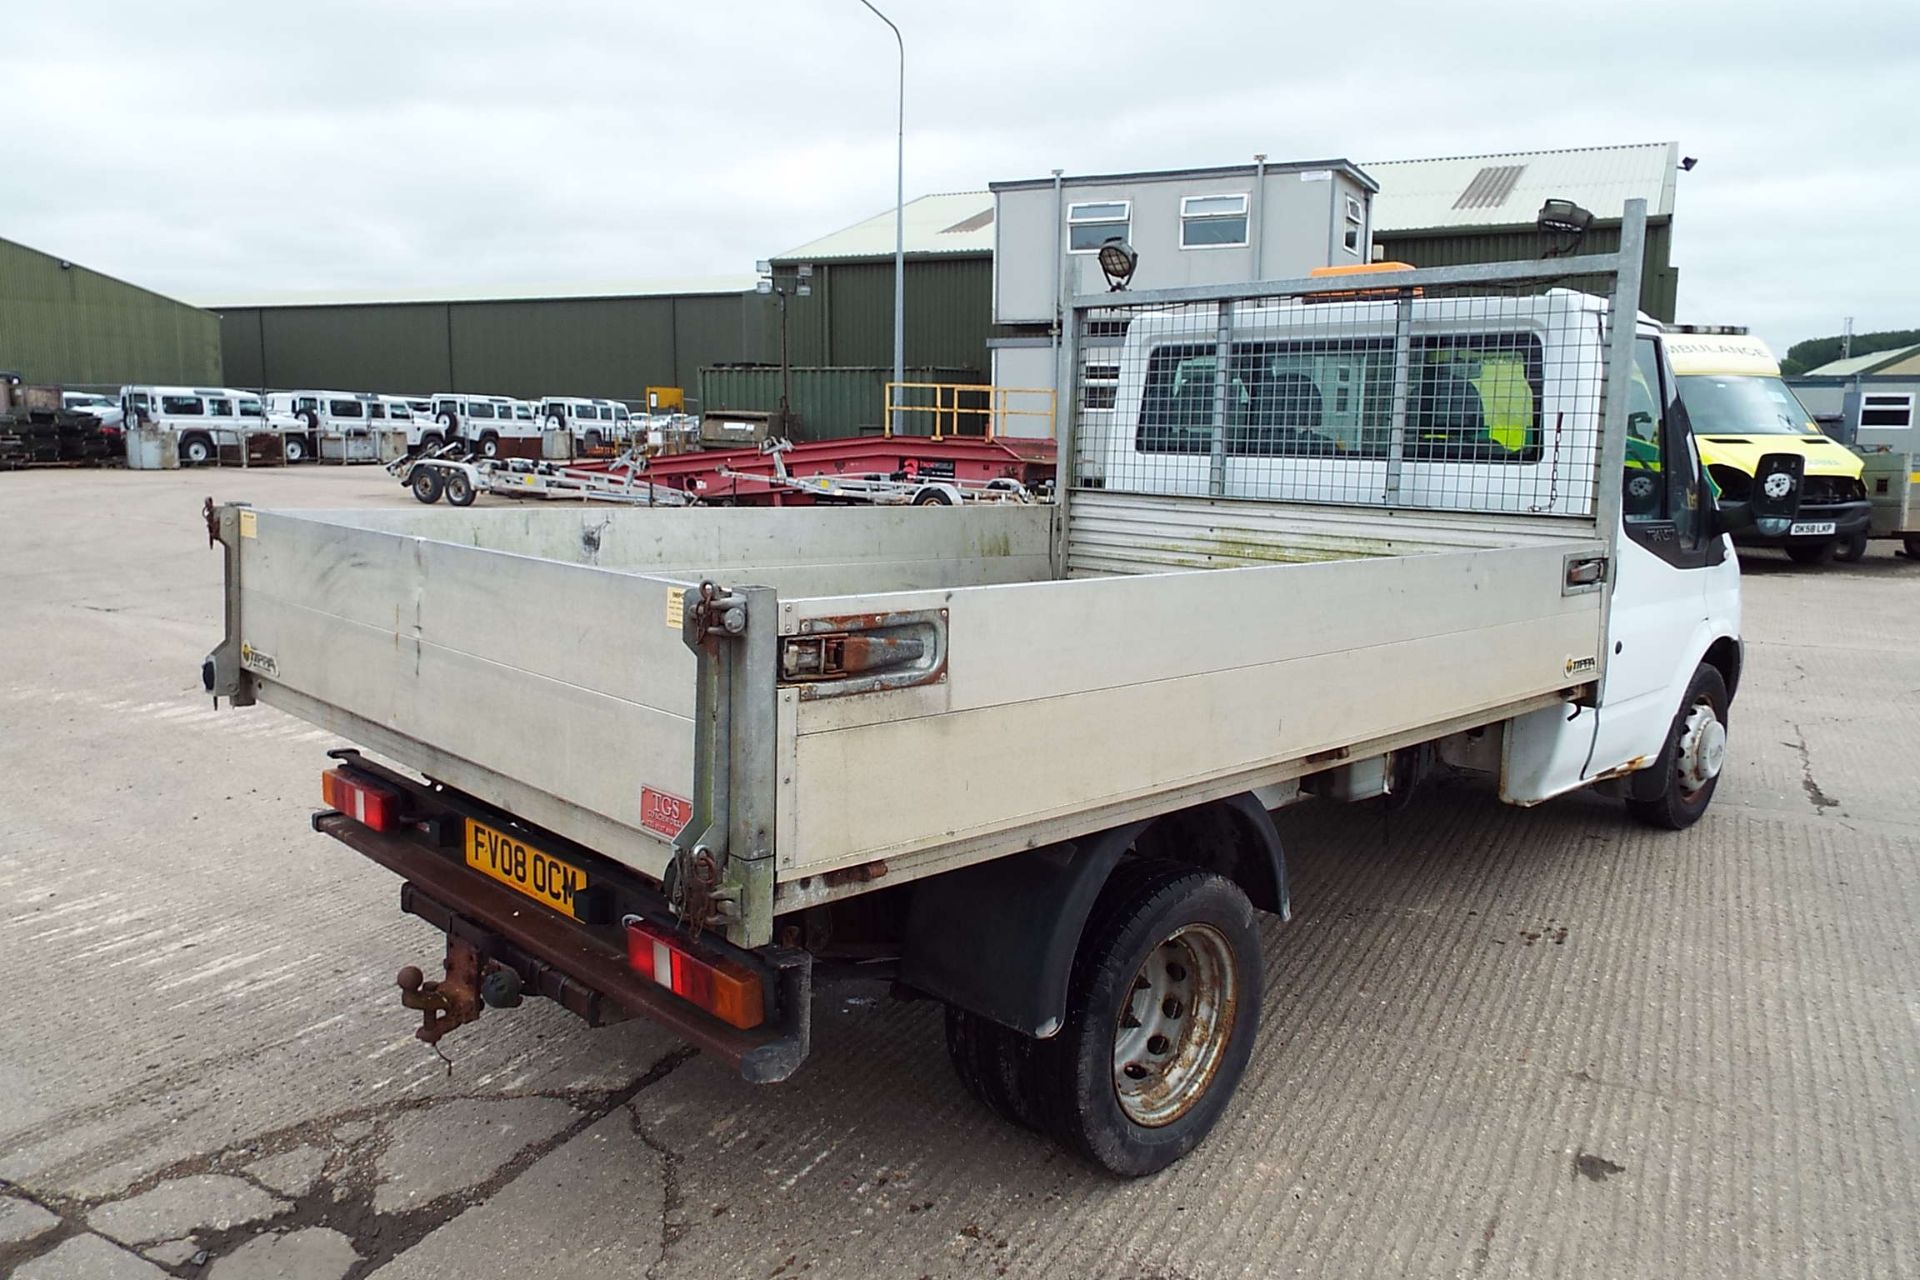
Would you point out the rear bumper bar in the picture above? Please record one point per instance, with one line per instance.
(575, 966)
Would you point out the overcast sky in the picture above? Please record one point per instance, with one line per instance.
(226, 150)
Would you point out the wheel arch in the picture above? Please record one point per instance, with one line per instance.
(998, 939)
(1726, 656)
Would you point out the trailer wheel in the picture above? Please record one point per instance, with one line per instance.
(1161, 1016)
(1850, 549)
(1812, 553)
(932, 496)
(196, 449)
(995, 1064)
(1696, 748)
(459, 489)
(427, 484)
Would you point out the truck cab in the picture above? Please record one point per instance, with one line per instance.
(1740, 410)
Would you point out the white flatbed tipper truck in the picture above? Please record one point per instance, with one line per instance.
(685, 763)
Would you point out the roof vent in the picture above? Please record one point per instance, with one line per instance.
(977, 221)
(1490, 187)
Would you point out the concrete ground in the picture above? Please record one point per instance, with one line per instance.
(1496, 1042)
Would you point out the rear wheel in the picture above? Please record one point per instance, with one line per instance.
(459, 489)
(1812, 553)
(196, 450)
(296, 448)
(1161, 1016)
(1851, 548)
(490, 445)
(995, 1064)
(427, 484)
(593, 440)
(430, 441)
(1696, 748)
(1911, 545)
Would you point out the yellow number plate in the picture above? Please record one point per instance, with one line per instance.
(518, 865)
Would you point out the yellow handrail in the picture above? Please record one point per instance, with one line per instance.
(988, 412)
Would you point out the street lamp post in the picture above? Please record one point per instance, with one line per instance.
(899, 215)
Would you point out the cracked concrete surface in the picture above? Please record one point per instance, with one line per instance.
(1710, 1070)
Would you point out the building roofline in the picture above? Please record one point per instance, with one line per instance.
(291, 303)
(912, 255)
(1217, 171)
(1539, 151)
(125, 284)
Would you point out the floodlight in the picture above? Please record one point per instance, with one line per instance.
(1118, 260)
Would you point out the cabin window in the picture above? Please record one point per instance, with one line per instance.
(1886, 410)
(1093, 224)
(1213, 222)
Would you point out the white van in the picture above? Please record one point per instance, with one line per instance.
(486, 423)
(593, 422)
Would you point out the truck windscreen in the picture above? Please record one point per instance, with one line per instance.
(1730, 404)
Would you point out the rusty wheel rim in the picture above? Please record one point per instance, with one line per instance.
(1173, 1026)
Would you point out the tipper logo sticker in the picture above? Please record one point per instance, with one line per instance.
(254, 660)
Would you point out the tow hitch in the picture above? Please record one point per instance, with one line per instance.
(472, 983)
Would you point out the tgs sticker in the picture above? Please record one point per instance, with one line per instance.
(254, 660)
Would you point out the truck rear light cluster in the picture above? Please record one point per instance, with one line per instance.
(362, 801)
(725, 988)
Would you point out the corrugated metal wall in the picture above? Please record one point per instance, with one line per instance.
(1659, 287)
(849, 318)
(615, 347)
(72, 325)
(831, 402)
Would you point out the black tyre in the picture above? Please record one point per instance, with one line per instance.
(1812, 553)
(1696, 748)
(932, 497)
(196, 450)
(593, 440)
(489, 445)
(296, 447)
(1851, 548)
(427, 484)
(1911, 545)
(459, 489)
(1161, 1016)
(995, 1064)
(431, 440)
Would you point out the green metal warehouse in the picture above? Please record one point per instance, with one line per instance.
(62, 323)
(617, 341)
(1461, 209)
